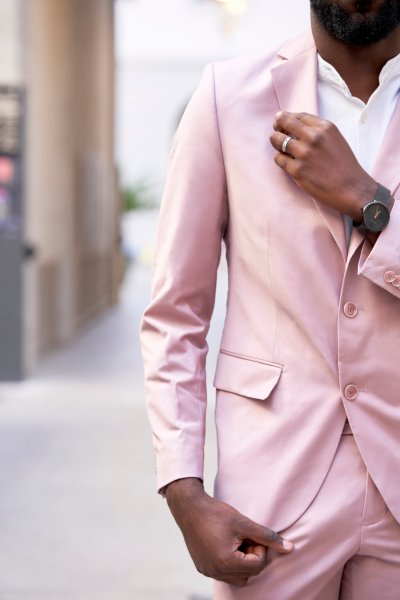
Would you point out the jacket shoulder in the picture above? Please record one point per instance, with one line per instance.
(236, 75)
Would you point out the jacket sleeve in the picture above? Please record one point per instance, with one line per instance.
(192, 222)
(381, 264)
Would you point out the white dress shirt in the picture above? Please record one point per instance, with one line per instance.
(362, 125)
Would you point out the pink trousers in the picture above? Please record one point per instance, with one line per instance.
(347, 544)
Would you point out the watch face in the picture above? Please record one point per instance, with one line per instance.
(375, 216)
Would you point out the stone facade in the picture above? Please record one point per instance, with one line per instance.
(61, 52)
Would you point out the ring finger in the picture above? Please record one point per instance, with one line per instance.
(278, 139)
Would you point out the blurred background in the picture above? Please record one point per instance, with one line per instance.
(91, 92)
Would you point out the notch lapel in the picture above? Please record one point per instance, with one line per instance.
(387, 166)
(295, 82)
(386, 169)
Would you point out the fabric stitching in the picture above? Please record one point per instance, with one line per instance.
(251, 358)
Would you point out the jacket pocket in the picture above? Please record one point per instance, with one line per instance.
(250, 377)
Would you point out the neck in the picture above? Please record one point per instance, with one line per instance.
(358, 66)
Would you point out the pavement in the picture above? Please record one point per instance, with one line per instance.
(80, 518)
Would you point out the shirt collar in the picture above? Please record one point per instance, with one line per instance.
(328, 74)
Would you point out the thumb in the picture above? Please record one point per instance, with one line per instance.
(266, 537)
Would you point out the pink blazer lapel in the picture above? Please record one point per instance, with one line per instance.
(387, 166)
(299, 94)
(386, 169)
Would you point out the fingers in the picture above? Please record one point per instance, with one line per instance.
(266, 537)
(247, 561)
(287, 163)
(238, 570)
(310, 120)
(292, 147)
(251, 562)
(302, 127)
(290, 124)
(259, 551)
(248, 565)
(249, 548)
(251, 556)
(299, 125)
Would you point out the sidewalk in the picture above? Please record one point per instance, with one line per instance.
(79, 515)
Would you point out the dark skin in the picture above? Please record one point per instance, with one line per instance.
(359, 66)
(223, 543)
(318, 143)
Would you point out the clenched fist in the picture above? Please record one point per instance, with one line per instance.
(223, 543)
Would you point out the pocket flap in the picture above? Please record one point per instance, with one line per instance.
(245, 376)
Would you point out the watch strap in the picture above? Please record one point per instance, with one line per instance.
(382, 195)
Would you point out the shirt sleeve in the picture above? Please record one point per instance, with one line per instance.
(192, 223)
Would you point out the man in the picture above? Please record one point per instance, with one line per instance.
(307, 494)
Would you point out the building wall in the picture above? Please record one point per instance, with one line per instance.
(11, 50)
(11, 82)
(162, 48)
(151, 96)
(70, 189)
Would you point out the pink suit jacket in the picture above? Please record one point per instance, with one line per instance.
(312, 333)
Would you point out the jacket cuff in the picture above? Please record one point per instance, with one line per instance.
(170, 468)
(381, 263)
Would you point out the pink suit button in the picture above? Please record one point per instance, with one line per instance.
(396, 281)
(351, 391)
(350, 310)
(389, 276)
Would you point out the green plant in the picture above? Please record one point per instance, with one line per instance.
(139, 195)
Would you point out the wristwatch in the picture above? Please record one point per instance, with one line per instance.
(376, 214)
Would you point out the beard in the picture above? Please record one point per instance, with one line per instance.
(360, 28)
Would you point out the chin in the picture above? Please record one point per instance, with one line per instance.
(361, 6)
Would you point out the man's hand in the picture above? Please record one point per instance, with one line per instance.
(322, 163)
(223, 543)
